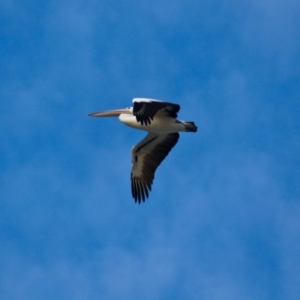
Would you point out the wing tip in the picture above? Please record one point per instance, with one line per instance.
(140, 190)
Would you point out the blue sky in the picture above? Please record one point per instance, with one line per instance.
(223, 219)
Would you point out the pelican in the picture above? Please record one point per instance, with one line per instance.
(159, 119)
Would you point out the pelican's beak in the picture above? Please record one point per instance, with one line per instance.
(109, 113)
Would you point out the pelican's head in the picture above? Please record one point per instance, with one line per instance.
(112, 113)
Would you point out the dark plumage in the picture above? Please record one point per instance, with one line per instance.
(145, 111)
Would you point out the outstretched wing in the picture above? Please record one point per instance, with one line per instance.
(145, 109)
(147, 155)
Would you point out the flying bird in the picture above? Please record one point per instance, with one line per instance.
(159, 119)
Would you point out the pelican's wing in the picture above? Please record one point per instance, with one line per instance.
(145, 109)
(146, 157)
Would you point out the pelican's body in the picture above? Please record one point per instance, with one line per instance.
(159, 119)
(157, 125)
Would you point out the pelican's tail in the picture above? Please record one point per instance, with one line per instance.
(190, 126)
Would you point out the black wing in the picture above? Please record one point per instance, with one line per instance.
(145, 110)
(147, 155)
